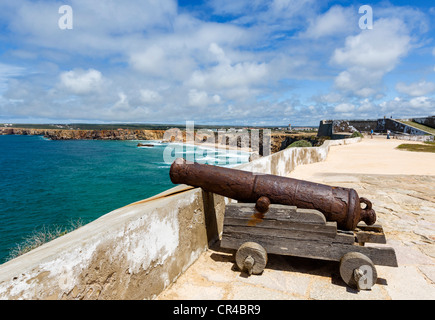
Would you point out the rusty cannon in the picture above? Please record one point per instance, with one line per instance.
(342, 205)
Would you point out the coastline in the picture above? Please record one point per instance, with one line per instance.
(275, 142)
(124, 134)
(67, 134)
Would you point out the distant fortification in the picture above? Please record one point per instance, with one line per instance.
(340, 129)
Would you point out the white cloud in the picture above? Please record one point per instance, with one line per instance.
(233, 77)
(122, 104)
(359, 81)
(150, 96)
(219, 53)
(198, 98)
(335, 21)
(149, 60)
(379, 48)
(369, 55)
(216, 98)
(344, 108)
(416, 89)
(80, 81)
(98, 28)
(7, 72)
(417, 106)
(366, 105)
(422, 103)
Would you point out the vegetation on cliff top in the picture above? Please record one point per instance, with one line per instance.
(357, 134)
(300, 144)
(426, 147)
(39, 237)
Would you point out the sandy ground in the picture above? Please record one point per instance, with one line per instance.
(371, 156)
(400, 185)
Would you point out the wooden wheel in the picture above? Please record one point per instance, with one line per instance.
(358, 271)
(251, 257)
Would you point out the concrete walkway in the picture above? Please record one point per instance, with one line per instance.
(400, 185)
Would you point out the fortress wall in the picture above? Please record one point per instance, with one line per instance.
(363, 125)
(137, 251)
(341, 129)
(428, 121)
(396, 126)
(325, 128)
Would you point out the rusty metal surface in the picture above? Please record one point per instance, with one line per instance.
(338, 204)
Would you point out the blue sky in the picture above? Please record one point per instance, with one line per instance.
(243, 62)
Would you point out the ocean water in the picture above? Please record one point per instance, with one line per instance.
(46, 183)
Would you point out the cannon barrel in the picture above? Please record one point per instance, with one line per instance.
(342, 205)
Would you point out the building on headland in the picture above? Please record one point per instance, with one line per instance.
(339, 129)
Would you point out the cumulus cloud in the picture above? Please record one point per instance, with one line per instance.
(344, 108)
(152, 60)
(366, 105)
(336, 21)
(98, 29)
(221, 60)
(198, 98)
(378, 48)
(231, 80)
(150, 96)
(417, 106)
(416, 89)
(369, 55)
(7, 72)
(81, 81)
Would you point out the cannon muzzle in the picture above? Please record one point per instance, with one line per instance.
(342, 205)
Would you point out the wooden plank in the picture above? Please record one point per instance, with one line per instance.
(370, 237)
(282, 234)
(276, 212)
(330, 227)
(374, 227)
(291, 230)
(371, 234)
(240, 219)
(311, 249)
(345, 238)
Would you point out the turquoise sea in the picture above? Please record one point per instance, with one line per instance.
(46, 183)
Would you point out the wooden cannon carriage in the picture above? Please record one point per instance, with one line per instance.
(281, 215)
(292, 231)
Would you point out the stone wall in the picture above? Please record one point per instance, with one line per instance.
(363, 125)
(397, 126)
(340, 129)
(420, 138)
(325, 128)
(428, 121)
(137, 251)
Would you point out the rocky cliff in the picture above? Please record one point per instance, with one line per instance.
(277, 141)
(60, 134)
